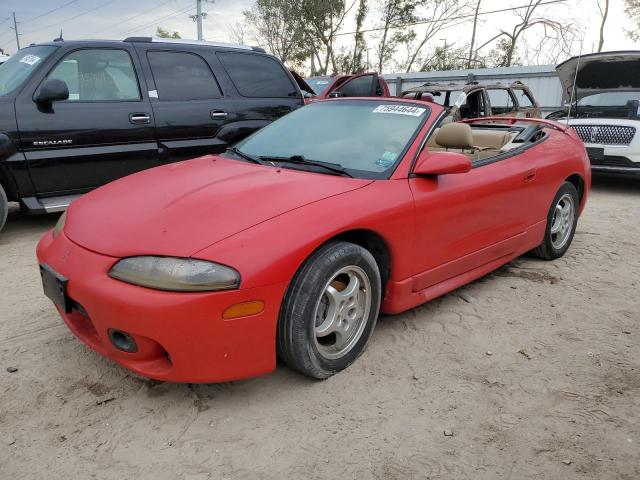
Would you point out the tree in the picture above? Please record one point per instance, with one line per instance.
(324, 20)
(239, 33)
(278, 26)
(162, 33)
(473, 35)
(556, 40)
(359, 44)
(436, 16)
(604, 12)
(395, 15)
(446, 57)
(632, 9)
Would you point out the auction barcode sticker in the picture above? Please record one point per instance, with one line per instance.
(400, 110)
(30, 59)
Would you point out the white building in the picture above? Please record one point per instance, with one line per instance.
(541, 79)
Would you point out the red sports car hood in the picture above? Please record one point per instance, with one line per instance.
(181, 208)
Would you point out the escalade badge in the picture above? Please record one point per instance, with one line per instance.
(594, 134)
(51, 143)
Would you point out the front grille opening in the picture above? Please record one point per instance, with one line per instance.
(605, 134)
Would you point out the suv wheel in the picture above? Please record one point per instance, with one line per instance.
(4, 207)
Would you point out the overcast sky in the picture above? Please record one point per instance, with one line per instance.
(117, 19)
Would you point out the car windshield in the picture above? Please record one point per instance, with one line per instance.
(609, 99)
(18, 68)
(319, 84)
(366, 138)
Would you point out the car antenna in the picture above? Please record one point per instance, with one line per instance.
(573, 87)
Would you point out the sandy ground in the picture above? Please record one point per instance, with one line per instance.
(537, 377)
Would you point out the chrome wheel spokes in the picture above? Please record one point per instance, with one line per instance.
(562, 222)
(342, 311)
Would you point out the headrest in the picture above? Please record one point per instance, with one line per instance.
(455, 135)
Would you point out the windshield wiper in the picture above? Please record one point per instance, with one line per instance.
(301, 160)
(245, 156)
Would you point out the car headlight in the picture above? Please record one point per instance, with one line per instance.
(59, 225)
(175, 274)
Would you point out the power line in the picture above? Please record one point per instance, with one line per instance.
(126, 20)
(50, 11)
(458, 17)
(158, 20)
(102, 5)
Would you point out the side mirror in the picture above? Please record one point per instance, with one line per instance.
(335, 95)
(52, 90)
(441, 163)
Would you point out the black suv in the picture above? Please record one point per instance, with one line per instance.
(75, 115)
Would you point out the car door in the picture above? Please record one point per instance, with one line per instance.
(264, 89)
(502, 102)
(527, 106)
(467, 220)
(188, 104)
(363, 85)
(103, 131)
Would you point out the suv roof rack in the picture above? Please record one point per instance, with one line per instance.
(192, 42)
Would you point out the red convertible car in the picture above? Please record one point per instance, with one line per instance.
(290, 243)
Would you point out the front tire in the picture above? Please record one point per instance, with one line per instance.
(561, 224)
(329, 310)
(4, 207)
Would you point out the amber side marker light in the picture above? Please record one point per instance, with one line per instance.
(243, 309)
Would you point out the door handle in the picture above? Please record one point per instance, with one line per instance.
(529, 175)
(139, 118)
(218, 114)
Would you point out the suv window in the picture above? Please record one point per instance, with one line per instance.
(98, 75)
(182, 76)
(524, 100)
(358, 87)
(257, 75)
(500, 98)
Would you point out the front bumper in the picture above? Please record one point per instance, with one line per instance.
(181, 337)
(611, 158)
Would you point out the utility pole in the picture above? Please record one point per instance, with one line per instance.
(199, 16)
(15, 27)
(199, 20)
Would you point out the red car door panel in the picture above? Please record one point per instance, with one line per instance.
(466, 220)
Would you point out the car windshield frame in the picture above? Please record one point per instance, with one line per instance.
(354, 172)
(23, 64)
(635, 93)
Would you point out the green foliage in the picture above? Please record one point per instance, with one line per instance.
(499, 56)
(632, 9)
(447, 58)
(162, 33)
(394, 13)
(278, 25)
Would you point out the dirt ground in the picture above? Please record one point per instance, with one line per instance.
(537, 376)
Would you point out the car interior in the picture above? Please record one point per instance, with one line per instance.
(481, 142)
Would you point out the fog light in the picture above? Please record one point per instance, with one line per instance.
(243, 309)
(122, 341)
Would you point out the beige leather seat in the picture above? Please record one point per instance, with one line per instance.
(476, 144)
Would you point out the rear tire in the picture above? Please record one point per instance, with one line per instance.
(330, 310)
(4, 207)
(561, 224)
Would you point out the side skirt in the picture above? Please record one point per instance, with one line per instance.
(400, 295)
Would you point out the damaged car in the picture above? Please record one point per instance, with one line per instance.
(603, 91)
(474, 100)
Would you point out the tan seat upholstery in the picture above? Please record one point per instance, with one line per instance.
(490, 139)
(476, 144)
(455, 136)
